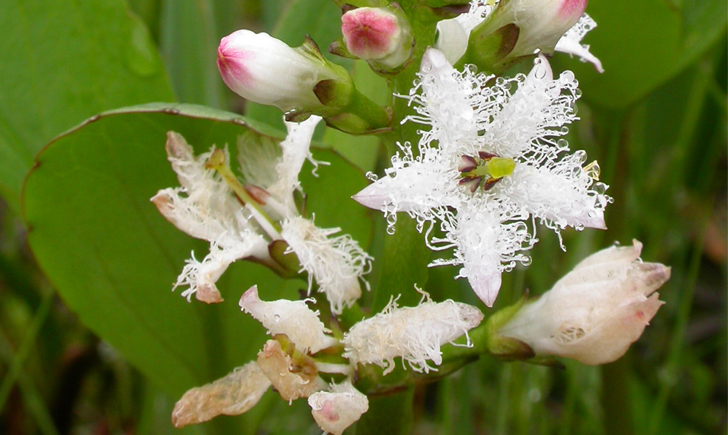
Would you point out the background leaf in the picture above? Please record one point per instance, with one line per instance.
(189, 41)
(62, 62)
(113, 258)
(643, 44)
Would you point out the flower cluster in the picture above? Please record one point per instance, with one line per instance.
(489, 165)
(414, 334)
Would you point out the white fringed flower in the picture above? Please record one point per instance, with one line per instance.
(595, 312)
(336, 263)
(233, 394)
(293, 318)
(205, 208)
(336, 410)
(413, 333)
(491, 162)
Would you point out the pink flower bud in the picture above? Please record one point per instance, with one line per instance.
(595, 312)
(377, 34)
(265, 70)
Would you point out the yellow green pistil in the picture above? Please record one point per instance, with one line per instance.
(218, 162)
(486, 169)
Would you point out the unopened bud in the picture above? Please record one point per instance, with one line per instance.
(265, 70)
(337, 410)
(594, 313)
(518, 28)
(232, 395)
(379, 35)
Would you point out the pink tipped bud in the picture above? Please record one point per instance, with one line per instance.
(377, 35)
(265, 70)
(518, 28)
(541, 22)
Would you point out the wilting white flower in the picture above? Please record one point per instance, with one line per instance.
(491, 162)
(291, 382)
(413, 333)
(205, 207)
(293, 318)
(338, 409)
(336, 263)
(544, 25)
(595, 312)
(233, 394)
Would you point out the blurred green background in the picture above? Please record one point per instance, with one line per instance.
(95, 360)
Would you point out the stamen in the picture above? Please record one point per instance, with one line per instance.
(487, 169)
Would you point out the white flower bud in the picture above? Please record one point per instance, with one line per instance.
(541, 23)
(234, 394)
(596, 311)
(291, 379)
(265, 70)
(337, 410)
(413, 333)
(293, 318)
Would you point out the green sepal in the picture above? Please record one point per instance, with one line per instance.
(506, 348)
(488, 49)
(338, 48)
(547, 361)
(287, 262)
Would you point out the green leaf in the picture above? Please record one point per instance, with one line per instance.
(113, 258)
(62, 62)
(643, 44)
(189, 42)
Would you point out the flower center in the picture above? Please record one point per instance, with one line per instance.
(486, 169)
